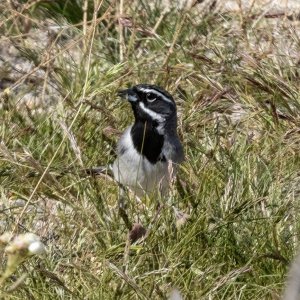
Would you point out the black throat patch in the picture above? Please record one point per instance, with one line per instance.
(148, 141)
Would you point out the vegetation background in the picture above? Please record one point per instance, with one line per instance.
(230, 226)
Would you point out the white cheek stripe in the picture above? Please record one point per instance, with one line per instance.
(155, 116)
(157, 93)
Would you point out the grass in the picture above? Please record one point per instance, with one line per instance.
(235, 79)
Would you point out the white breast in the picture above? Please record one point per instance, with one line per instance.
(136, 172)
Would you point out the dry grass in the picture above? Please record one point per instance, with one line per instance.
(236, 82)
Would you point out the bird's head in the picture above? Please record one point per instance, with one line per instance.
(150, 103)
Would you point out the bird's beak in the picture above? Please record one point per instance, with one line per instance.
(128, 94)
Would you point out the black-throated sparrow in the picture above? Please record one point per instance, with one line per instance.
(147, 147)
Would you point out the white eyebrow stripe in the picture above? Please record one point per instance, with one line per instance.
(156, 93)
(155, 116)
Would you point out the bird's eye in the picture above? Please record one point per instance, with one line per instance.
(150, 97)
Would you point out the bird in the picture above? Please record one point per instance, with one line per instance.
(147, 147)
(292, 289)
